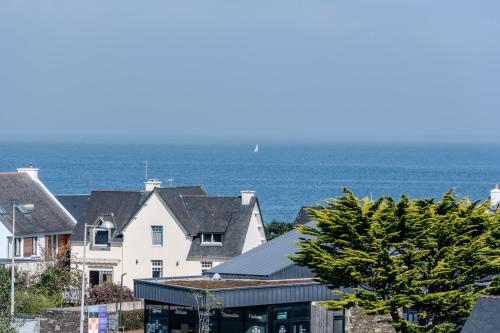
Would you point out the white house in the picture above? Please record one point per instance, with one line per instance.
(162, 231)
(40, 234)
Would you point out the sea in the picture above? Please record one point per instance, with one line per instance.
(285, 177)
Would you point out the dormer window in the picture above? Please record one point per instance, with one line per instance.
(211, 239)
(101, 237)
(103, 232)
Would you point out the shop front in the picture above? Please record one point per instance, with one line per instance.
(246, 306)
(282, 318)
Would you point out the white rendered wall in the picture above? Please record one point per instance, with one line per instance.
(255, 233)
(4, 241)
(139, 251)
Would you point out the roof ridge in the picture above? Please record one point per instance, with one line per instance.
(178, 186)
(115, 190)
(12, 173)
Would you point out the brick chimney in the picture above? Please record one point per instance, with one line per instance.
(151, 184)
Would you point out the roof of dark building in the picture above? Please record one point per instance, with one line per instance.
(48, 216)
(173, 197)
(122, 204)
(265, 260)
(229, 217)
(233, 293)
(485, 316)
(74, 203)
(303, 215)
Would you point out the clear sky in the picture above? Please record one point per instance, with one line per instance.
(250, 71)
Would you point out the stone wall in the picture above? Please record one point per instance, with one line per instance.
(67, 320)
(358, 322)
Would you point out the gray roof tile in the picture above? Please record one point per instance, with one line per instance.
(74, 203)
(48, 216)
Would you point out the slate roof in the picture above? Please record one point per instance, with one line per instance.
(173, 197)
(485, 316)
(74, 203)
(195, 210)
(219, 215)
(122, 204)
(264, 260)
(47, 217)
(303, 215)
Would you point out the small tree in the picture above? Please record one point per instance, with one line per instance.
(278, 228)
(206, 304)
(425, 255)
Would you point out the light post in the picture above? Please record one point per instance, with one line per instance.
(25, 209)
(121, 300)
(107, 225)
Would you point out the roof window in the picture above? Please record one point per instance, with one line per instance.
(2, 211)
(211, 239)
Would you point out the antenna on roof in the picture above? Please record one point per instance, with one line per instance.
(145, 170)
(171, 180)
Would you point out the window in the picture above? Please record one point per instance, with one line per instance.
(157, 268)
(100, 276)
(17, 247)
(211, 239)
(50, 246)
(157, 235)
(205, 266)
(101, 237)
(34, 246)
(3, 211)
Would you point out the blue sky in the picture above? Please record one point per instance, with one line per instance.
(250, 71)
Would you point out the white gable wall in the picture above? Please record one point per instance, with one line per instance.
(4, 241)
(255, 233)
(139, 251)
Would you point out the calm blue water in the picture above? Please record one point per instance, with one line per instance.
(285, 177)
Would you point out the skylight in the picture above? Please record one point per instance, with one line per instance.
(3, 211)
(23, 209)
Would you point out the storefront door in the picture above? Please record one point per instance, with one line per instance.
(302, 327)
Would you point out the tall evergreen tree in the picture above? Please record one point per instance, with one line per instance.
(423, 254)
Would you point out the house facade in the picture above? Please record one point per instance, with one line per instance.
(40, 234)
(163, 231)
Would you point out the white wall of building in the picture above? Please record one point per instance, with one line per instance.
(255, 234)
(4, 241)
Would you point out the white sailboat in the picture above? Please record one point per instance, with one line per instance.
(256, 150)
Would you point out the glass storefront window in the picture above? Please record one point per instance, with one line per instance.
(256, 322)
(181, 319)
(156, 318)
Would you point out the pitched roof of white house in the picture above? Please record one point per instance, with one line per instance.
(48, 215)
(194, 209)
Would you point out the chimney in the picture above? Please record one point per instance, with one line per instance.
(151, 184)
(246, 197)
(494, 197)
(32, 172)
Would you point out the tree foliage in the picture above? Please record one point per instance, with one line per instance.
(278, 228)
(422, 254)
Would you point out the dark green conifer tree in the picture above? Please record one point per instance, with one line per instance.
(424, 255)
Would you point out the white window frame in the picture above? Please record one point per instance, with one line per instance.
(102, 272)
(208, 239)
(159, 230)
(18, 247)
(156, 266)
(34, 246)
(95, 231)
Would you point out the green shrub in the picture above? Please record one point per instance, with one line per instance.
(34, 302)
(133, 320)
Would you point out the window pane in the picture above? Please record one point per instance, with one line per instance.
(101, 237)
(34, 246)
(217, 238)
(205, 238)
(157, 234)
